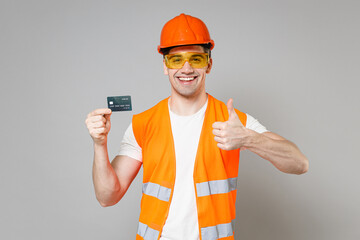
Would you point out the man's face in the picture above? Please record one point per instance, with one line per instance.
(187, 81)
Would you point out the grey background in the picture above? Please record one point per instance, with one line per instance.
(293, 65)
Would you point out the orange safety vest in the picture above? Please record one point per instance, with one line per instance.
(215, 173)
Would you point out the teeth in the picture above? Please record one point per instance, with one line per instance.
(186, 79)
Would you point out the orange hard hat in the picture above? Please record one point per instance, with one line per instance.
(184, 30)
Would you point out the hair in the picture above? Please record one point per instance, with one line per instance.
(206, 48)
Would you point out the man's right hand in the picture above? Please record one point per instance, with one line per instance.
(98, 123)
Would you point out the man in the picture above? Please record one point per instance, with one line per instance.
(189, 146)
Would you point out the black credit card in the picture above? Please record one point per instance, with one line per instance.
(119, 103)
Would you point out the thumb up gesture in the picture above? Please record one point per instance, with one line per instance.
(231, 134)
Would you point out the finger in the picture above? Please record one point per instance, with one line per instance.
(96, 131)
(108, 123)
(99, 130)
(219, 139)
(218, 125)
(222, 146)
(217, 132)
(98, 125)
(100, 111)
(107, 116)
(231, 110)
(97, 118)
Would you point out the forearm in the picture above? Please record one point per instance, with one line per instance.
(283, 154)
(106, 183)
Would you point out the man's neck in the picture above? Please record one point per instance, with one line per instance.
(185, 106)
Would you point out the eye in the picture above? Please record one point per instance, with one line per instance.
(196, 59)
(176, 60)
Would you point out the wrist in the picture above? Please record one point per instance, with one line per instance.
(252, 139)
(101, 154)
(100, 145)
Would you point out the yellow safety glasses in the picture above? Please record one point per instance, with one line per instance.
(177, 60)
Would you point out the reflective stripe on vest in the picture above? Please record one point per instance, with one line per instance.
(147, 233)
(216, 187)
(218, 231)
(156, 190)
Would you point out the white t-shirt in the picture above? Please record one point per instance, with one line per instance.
(182, 221)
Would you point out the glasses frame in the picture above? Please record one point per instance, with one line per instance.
(166, 57)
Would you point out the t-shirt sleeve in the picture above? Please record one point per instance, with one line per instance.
(254, 124)
(129, 146)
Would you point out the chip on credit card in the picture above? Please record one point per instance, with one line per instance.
(119, 103)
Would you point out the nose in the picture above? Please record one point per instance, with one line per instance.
(187, 68)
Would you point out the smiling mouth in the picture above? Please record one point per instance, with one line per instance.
(186, 80)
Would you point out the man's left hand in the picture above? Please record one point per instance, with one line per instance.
(231, 134)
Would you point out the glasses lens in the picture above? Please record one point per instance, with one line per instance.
(198, 60)
(177, 60)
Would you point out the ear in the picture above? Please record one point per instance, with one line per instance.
(209, 66)
(166, 72)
